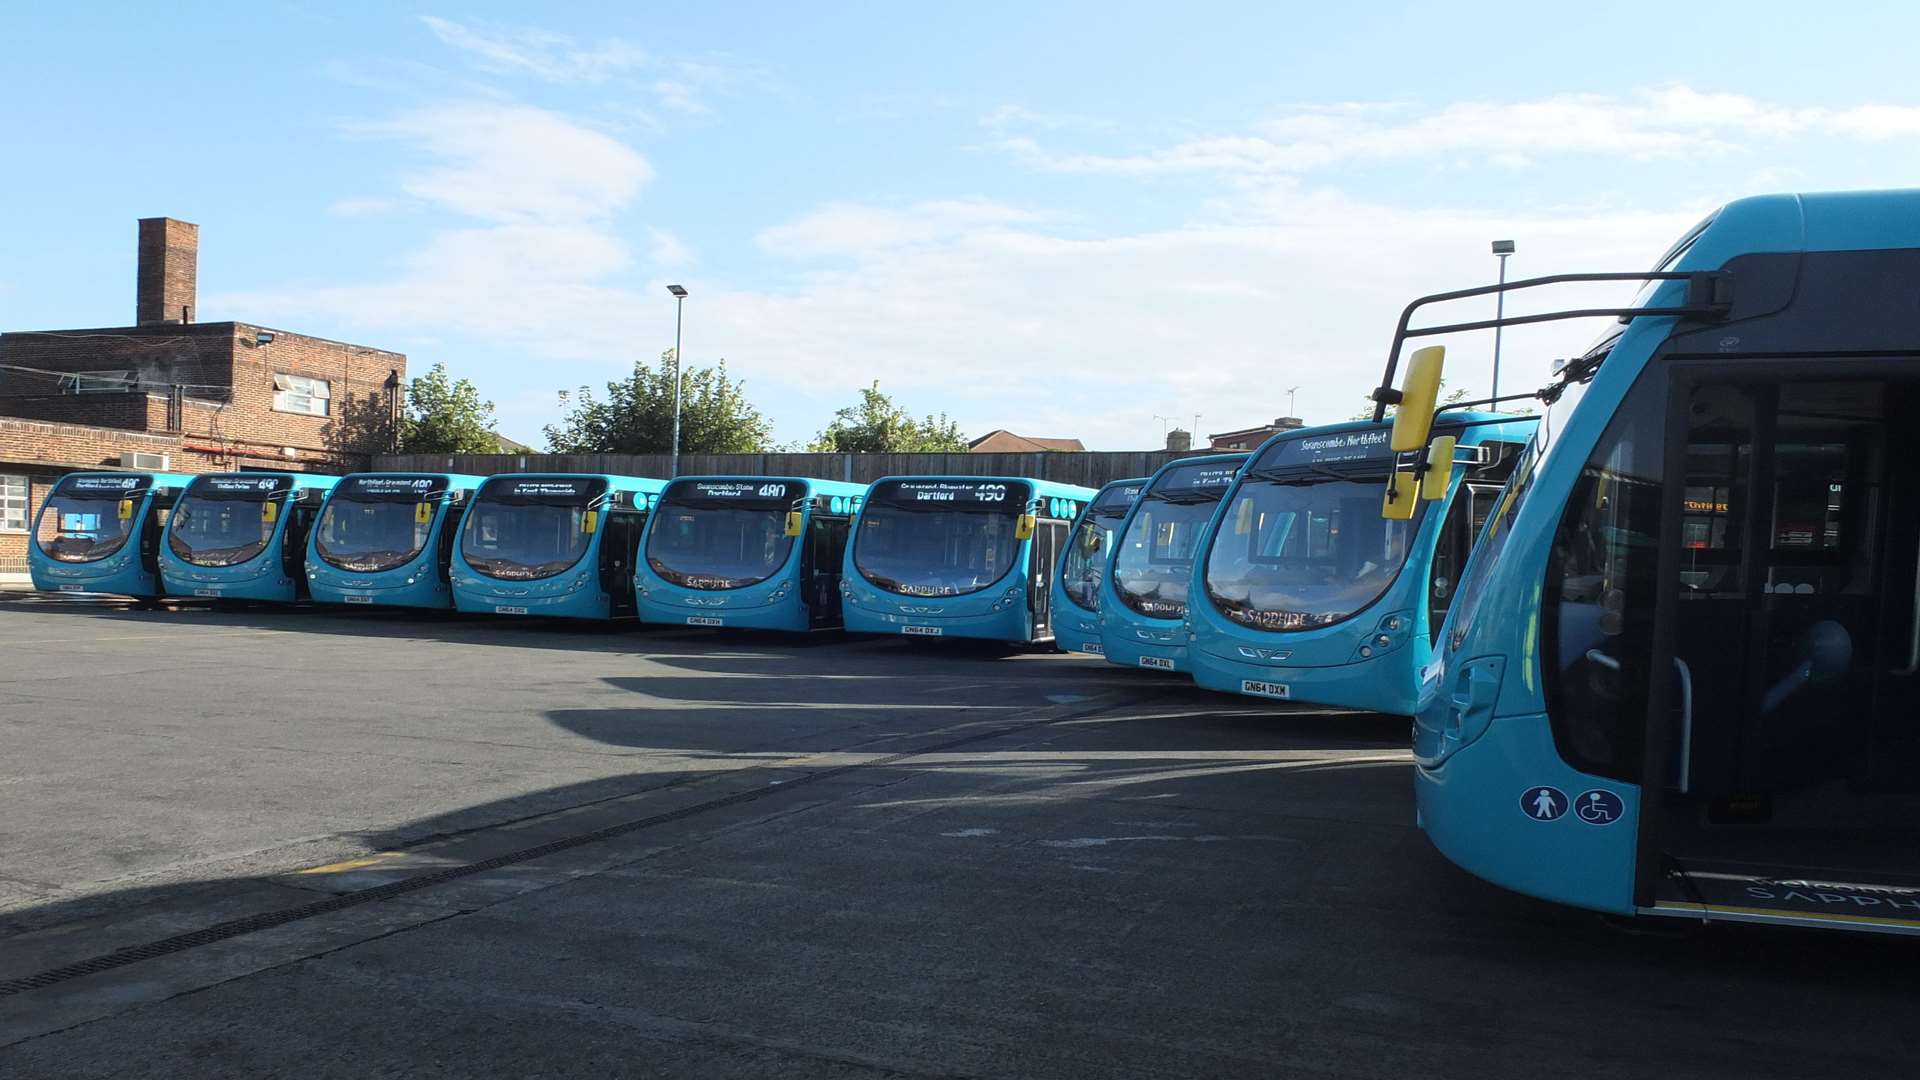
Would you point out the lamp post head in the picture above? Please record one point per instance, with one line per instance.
(677, 291)
(1503, 247)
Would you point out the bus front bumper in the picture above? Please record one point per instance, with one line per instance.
(1382, 684)
(116, 576)
(428, 593)
(742, 609)
(1009, 624)
(1482, 808)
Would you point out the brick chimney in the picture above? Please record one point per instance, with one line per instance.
(169, 267)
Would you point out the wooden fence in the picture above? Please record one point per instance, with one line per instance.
(1085, 469)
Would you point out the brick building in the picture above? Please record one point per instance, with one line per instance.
(189, 396)
(1251, 438)
(1002, 441)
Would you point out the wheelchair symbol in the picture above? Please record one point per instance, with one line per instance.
(1599, 807)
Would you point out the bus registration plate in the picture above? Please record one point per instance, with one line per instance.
(1259, 688)
(506, 609)
(206, 592)
(704, 620)
(922, 631)
(352, 599)
(73, 588)
(1095, 648)
(1157, 663)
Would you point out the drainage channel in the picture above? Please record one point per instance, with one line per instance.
(233, 928)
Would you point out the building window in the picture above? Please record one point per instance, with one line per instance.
(13, 504)
(97, 382)
(299, 394)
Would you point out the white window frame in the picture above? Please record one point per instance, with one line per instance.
(16, 492)
(98, 382)
(302, 395)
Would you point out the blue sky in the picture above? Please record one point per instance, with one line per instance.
(1062, 219)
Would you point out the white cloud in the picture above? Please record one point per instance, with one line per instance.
(1011, 315)
(1667, 122)
(849, 230)
(678, 86)
(515, 163)
(669, 251)
(1018, 116)
(543, 54)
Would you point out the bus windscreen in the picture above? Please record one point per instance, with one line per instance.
(722, 534)
(375, 523)
(1303, 544)
(224, 520)
(1084, 567)
(1154, 561)
(522, 529)
(82, 520)
(939, 537)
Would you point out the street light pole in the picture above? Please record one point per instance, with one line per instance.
(1501, 248)
(679, 306)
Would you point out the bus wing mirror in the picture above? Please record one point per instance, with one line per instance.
(1023, 530)
(1413, 417)
(1433, 482)
(126, 509)
(1402, 497)
(794, 521)
(590, 521)
(269, 511)
(1243, 518)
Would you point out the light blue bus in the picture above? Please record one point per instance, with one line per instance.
(1143, 601)
(100, 532)
(958, 556)
(242, 536)
(387, 538)
(1083, 566)
(1304, 592)
(556, 544)
(1682, 672)
(763, 552)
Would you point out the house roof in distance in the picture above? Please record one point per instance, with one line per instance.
(1001, 441)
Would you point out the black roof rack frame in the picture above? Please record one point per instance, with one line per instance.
(1709, 296)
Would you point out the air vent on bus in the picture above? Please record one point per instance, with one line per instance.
(145, 462)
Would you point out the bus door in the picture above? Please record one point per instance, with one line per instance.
(1048, 536)
(1789, 733)
(302, 508)
(619, 544)
(1472, 502)
(822, 563)
(154, 528)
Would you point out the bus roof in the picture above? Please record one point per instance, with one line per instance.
(300, 479)
(817, 487)
(458, 479)
(1238, 457)
(1811, 221)
(1041, 488)
(160, 479)
(614, 482)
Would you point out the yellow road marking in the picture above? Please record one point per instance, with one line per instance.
(350, 864)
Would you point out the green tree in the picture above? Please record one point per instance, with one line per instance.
(877, 426)
(446, 416)
(1451, 399)
(636, 416)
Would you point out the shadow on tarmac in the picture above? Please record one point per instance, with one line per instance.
(1289, 916)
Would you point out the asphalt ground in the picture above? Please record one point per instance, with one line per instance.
(314, 844)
